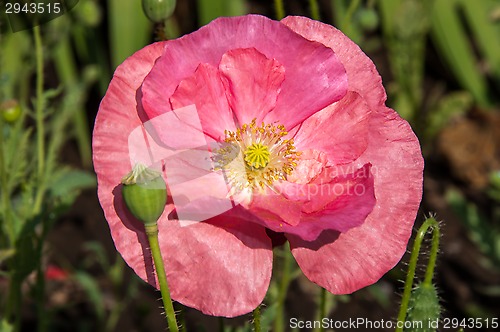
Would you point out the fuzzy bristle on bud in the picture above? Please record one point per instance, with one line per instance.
(423, 307)
(145, 193)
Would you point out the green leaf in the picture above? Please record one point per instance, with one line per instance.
(494, 186)
(15, 47)
(451, 40)
(449, 106)
(65, 186)
(268, 316)
(5, 326)
(485, 30)
(97, 254)
(6, 254)
(480, 230)
(16, 158)
(88, 283)
(405, 26)
(71, 182)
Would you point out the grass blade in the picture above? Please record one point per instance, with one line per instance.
(451, 39)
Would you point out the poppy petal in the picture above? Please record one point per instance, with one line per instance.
(345, 262)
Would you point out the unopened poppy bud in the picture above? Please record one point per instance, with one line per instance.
(10, 110)
(424, 307)
(145, 193)
(158, 10)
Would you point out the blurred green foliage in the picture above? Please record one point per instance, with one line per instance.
(482, 229)
(129, 29)
(210, 10)
(455, 44)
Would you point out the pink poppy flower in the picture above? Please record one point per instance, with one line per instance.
(323, 164)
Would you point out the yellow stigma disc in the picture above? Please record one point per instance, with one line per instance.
(257, 155)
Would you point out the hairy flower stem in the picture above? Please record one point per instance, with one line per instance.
(279, 8)
(256, 319)
(429, 223)
(152, 233)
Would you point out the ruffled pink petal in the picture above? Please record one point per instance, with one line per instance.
(361, 72)
(239, 251)
(205, 90)
(340, 130)
(333, 200)
(318, 195)
(274, 210)
(307, 64)
(310, 166)
(346, 262)
(252, 82)
(221, 267)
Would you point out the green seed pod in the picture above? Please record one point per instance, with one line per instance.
(158, 10)
(145, 194)
(423, 307)
(11, 111)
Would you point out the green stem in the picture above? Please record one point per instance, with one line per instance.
(429, 223)
(429, 273)
(322, 307)
(39, 116)
(256, 319)
(313, 6)
(40, 175)
(39, 102)
(6, 222)
(68, 74)
(40, 297)
(279, 8)
(279, 323)
(13, 309)
(222, 325)
(114, 316)
(152, 233)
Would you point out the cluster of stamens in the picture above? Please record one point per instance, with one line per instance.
(255, 156)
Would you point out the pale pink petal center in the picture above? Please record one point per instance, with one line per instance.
(252, 82)
(205, 90)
